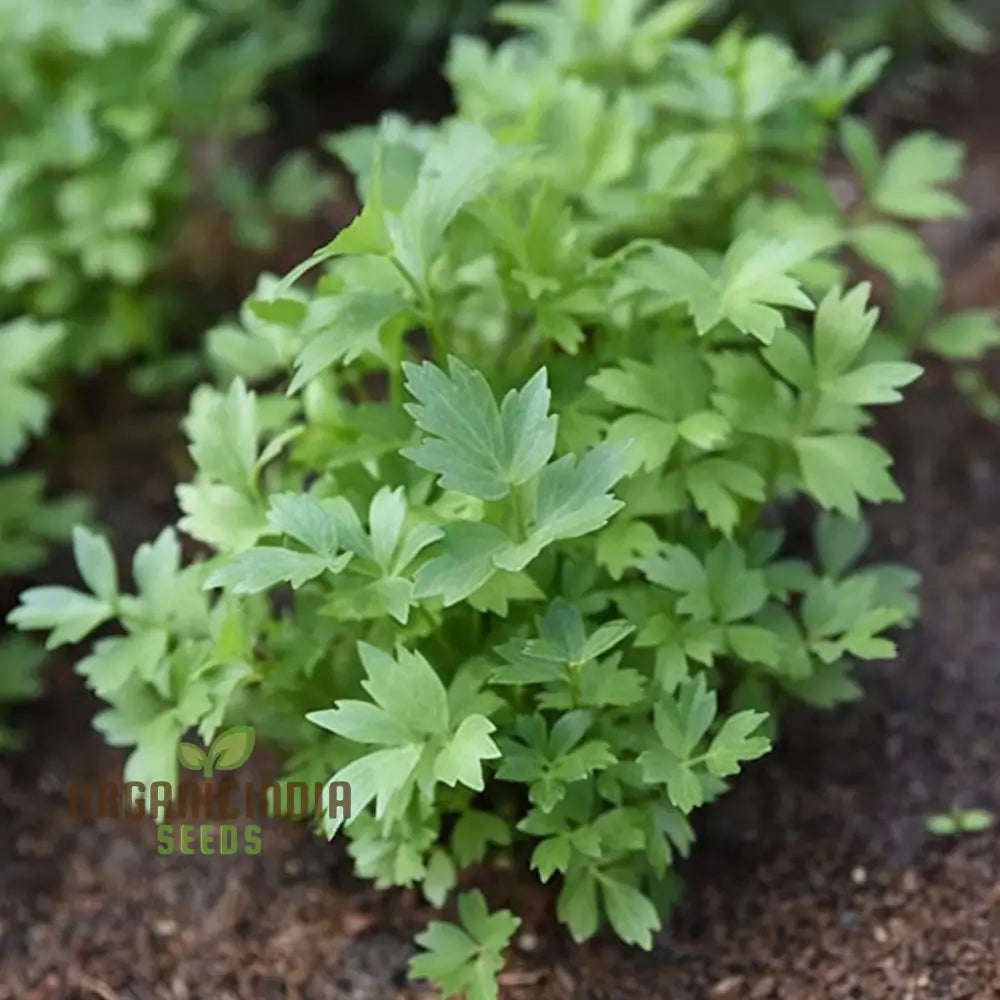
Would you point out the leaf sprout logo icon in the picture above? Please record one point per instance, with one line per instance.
(230, 750)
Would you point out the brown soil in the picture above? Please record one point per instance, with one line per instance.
(813, 880)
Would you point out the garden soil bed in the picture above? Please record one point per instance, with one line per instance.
(815, 879)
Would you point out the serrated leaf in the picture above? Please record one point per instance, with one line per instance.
(461, 561)
(474, 831)
(475, 447)
(305, 520)
(460, 760)
(842, 327)
(458, 167)
(407, 687)
(706, 430)
(351, 325)
(631, 914)
(96, 563)
(265, 566)
(571, 499)
(838, 469)
(733, 743)
(69, 614)
(466, 960)
(755, 278)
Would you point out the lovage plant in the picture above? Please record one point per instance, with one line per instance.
(496, 537)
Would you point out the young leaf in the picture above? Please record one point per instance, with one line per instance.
(466, 960)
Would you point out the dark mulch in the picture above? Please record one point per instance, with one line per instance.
(813, 880)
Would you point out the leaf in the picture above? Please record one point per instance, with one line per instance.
(466, 960)
(956, 24)
(872, 384)
(714, 484)
(222, 430)
(577, 905)
(302, 518)
(475, 447)
(377, 777)
(733, 743)
(461, 562)
(632, 915)
(895, 250)
(96, 563)
(974, 820)
(838, 469)
(351, 325)
(474, 831)
(839, 542)
(25, 349)
(660, 766)
(622, 544)
(440, 877)
(862, 150)
(362, 722)
(155, 568)
(652, 440)
(386, 515)
(408, 688)
(755, 278)
(115, 660)
(572, 499)
(552, 855)
(70, 614)
(460, 760)
(459, 166)
(909, 185)
(265, 566)
(965, 336)
(232, 748)
(20, 665)
(706, 430)
(682, 724)
(842, 327)
(220, 515)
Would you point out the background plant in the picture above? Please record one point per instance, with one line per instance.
(103, 111)
(28, 524)
(495, 537)
(910, 27)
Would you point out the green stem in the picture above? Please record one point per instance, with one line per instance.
(520, 519)
(396, 372)
(439, 346)
(429, 311)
